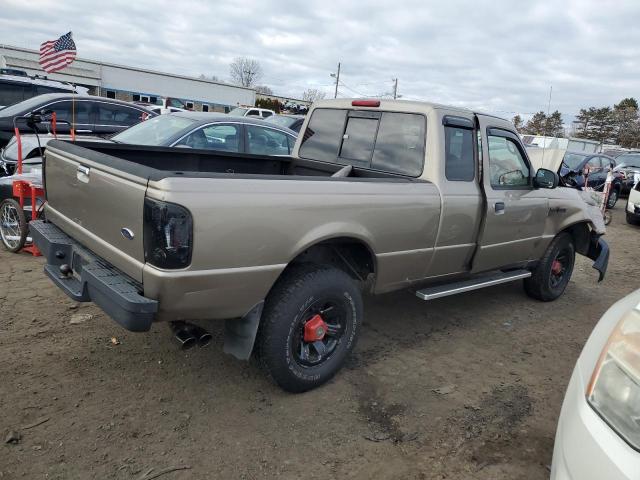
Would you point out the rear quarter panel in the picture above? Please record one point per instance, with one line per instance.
(248, 230)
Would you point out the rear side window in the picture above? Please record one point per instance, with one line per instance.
(459, 162)
(109, 114)
(386, 141)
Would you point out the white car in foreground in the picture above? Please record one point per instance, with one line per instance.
(598, 436)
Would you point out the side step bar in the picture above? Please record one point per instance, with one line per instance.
(439, 291)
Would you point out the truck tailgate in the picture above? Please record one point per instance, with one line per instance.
(99, 206)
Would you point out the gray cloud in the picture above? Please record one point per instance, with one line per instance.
(500, 56)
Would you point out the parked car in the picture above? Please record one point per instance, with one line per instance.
(292, 122)
(91, 115)
(575, 164)
(633, 205)
(283, 247)
(211, 131)
(598, 435)
(628, 165)
(16, 86)
(251, 112)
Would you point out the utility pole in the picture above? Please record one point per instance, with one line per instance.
(395, 88)
(337, 75)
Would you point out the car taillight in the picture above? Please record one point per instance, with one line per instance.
(168, 234)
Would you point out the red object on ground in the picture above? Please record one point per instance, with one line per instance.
(24, 189)
(53, 124)
(315, 329)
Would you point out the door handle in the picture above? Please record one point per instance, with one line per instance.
(84, 131)
(499, 208)
(82, 173)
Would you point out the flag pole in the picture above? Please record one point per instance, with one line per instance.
(73, 113)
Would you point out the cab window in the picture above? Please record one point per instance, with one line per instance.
(77, 112)
(459, 161)
(214, 137)
(507, 165)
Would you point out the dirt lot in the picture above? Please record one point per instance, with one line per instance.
(465, 387)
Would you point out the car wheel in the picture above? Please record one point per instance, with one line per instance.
(632, 219)
(551, 276)
(310, 324)
(613, 198)
(13, 225)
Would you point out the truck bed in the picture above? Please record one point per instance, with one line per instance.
(157, 163)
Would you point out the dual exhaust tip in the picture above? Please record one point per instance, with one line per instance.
(188, 335)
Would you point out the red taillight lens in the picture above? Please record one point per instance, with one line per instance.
(365, 103)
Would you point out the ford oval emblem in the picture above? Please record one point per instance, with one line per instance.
(127, 233)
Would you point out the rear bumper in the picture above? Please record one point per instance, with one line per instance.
(93, 279)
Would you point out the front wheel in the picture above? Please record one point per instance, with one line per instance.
(13, 225)
(551, 276)
(310, 324)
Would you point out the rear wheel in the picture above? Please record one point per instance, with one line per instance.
(632, 219)
(552, 274)
(310, 324)
(13, 225)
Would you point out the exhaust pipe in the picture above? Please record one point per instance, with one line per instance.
(201, 335)
(188, 335)
(183, 335)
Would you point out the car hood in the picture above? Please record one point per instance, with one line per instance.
(549, 158)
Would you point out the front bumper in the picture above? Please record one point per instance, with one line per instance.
(586, 448)
(92, 279)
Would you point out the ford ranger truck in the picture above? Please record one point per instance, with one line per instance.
(377, 196)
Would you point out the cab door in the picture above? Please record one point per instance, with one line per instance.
(515, 212)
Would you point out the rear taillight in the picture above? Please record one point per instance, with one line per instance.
(168, 234)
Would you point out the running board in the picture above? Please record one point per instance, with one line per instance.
(432, 293)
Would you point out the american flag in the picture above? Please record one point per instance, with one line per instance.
(57, 54)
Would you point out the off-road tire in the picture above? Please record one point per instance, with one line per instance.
(539, 285)
(9, 204)
(299, 288)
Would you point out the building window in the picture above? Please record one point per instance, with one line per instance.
(189, 105)
(136, 97)
(111, 94)
(205, 107)
(153, 100)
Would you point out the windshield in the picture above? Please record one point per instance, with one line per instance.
(573, 160)
(155, 131)
(238, 112)
(629, 160)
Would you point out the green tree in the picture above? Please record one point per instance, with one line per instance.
(626, 119)
(536, 124)
(553, 126)
(518, 123)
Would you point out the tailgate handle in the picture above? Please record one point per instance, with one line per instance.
(83, 173)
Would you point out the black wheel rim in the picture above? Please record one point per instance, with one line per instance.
(613, 198)
(334, 313)
(560, 267)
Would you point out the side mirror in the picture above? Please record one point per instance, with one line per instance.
(546, 179)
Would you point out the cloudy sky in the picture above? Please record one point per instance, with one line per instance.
(499, 56)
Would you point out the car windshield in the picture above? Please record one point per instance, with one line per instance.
(573, 160)
(155, 131)
(238, 112)
(629, 160)
(20, 107)
(281, 120)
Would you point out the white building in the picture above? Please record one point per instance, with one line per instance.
(134, 84)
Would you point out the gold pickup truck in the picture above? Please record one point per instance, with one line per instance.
(377, 195)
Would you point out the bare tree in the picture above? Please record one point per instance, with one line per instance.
(245, 71)
(264, 90)
(312, 94)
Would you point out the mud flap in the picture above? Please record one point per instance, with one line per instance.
(599, 252)
(240, 333)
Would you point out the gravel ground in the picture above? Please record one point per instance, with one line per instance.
(465, 387)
